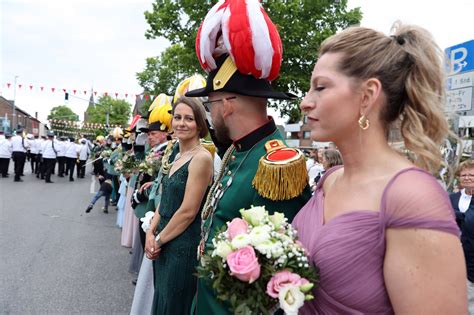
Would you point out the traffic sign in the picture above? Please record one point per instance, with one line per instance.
(461, 57)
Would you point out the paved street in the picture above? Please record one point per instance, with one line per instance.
(55, 259)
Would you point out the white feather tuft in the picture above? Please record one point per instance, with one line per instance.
(262, 44)
(209, 30)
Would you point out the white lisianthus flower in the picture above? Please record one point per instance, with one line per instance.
(260, 234)
(254, 215)
(222, 249)
(277, 219)
(291, 299)
(240, 241)
(267, 247)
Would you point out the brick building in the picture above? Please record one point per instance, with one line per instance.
(30, 123)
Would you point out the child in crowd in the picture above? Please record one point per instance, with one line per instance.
(105, 190)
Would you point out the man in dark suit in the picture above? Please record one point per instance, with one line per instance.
(463, 205)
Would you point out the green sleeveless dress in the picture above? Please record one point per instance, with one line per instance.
(175, 268)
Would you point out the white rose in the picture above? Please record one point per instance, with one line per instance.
(222, 249)
(291, 299)
(254, 215)
(240, 241)
(260, 234)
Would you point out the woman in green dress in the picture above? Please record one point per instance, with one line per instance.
(173, 237)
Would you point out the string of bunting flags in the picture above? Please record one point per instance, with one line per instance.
(78, 92)
(78, 124)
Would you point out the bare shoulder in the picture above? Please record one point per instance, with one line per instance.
(202, 158)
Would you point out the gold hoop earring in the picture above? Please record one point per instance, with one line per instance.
(364, 123)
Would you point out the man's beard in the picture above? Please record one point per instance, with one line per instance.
(221, 132)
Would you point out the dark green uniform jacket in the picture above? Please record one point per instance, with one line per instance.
(243, 165)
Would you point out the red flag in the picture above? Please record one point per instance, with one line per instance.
(116, 94)
(74, 91)
(52, 89)
(95, 93)
(8, 85)
(31, 87)
(106, 94)
(42, 88)
(64, 90)
(126, 94)
(147, 97)
(19, 86)
(134, 121)
(85, 92)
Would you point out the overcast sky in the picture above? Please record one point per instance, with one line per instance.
(80, 44)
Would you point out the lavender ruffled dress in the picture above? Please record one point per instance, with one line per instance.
(350, 248)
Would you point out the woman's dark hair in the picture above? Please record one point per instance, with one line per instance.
(198, 111)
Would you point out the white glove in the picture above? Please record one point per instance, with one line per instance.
(147, 220)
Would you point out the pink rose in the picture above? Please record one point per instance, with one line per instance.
(282, 279)
(243, 264)
(237, 226)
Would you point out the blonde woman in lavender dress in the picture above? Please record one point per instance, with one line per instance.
(381, 228)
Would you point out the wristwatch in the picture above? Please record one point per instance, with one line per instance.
(158, 240)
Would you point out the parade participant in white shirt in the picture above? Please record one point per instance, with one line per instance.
(49, 156)
(5, 153)
(71, 153)
(19, 147)
(84, 153)
(61, 158)
(34, 151)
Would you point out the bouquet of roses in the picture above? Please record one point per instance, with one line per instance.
(258, 265)
(152, 163)
(127, 163)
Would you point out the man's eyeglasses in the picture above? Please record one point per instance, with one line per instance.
(207, 104)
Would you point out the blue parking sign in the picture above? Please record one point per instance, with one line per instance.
(461, 57)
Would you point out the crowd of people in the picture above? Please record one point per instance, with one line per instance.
(43, 154)
(378, 225)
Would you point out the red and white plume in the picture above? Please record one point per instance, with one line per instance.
(243, 29)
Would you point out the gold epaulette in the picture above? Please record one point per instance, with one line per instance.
(281, 173)
(209, 146)
(165, 163)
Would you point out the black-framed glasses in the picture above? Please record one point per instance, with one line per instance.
(207, 104)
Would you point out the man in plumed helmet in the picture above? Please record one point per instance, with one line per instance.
(241, 50)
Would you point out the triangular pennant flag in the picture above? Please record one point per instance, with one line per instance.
(19, 86)
(64, 90)
(85, 92)
(74, 91)
(31, 87)
(106, 94)
(8, 85)
(42, 88)
(126, 94)
(95, 93)
(116, 94)
(52, 89)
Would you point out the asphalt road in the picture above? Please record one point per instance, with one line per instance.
(56, 259)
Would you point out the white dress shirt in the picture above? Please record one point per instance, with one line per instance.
(60, 146)
(19, 144)
(84, 152)
(5, 148)
(35, 146)
(48, 150)
(72, 150)
(464, 201)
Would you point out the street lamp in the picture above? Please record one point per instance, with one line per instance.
(14, 101)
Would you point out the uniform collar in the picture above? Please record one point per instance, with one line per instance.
(247, 142)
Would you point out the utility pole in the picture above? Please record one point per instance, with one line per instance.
(14, 104)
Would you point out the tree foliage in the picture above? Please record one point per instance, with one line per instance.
(302, 24)
(119, 111)
(62, 112)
